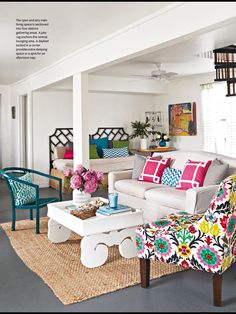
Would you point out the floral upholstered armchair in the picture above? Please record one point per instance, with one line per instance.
(203, 241)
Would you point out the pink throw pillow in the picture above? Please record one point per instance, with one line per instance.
(69, 154)
(153, 169)
(193, 174)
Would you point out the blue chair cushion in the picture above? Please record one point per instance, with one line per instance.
(171, 176)
(42, 202)
(115, 152)
(23, 194)
(100, 143)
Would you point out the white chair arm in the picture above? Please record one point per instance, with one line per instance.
(114, 176)
(199, 199)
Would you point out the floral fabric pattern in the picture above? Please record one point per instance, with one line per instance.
(204, 241)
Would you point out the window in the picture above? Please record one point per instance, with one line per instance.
(219, 120)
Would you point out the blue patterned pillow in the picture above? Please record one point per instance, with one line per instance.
(23, 194)
(115, 152)
(171, 176)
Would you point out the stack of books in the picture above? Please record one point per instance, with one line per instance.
(106, 210)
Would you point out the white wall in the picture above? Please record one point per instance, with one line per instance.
(5, 127)
(50, 110)
(1, 132)
(187, 89)
(118, 109)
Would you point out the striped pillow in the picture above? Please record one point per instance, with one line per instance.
(115, 152)
(171, 176)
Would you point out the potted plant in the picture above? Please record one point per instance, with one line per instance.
(83, 182)
(140, 129)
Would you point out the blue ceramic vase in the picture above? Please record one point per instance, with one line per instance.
(162, 143)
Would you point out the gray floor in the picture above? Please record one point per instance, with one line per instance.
(21, 290)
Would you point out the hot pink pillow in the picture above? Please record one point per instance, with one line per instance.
(69, 154)
(193, 174)
(153, 169)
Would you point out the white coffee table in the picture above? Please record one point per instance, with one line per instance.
(98, 232)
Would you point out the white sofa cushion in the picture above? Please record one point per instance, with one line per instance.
(134, 187)
(167, 196)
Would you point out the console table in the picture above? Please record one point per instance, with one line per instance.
(150, 151)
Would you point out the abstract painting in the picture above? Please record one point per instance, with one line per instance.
(182, 119)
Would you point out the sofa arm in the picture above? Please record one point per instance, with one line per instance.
(199, 199)
(114, 176)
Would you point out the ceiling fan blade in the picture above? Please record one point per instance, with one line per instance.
(141, 77)
(157, 72)
(170, 74)
(145, 77)
(138, 75)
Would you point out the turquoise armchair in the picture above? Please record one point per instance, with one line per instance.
(13, 175)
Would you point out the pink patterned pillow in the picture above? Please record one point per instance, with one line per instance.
(153, 169)
(193, 174)
(69, 154)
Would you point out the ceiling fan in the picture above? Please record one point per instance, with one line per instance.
(158, 74)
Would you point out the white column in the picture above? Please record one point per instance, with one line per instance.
(26, 130)
(80, 120)
(21, 135)
(29, 135)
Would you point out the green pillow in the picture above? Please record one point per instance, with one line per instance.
(23, 193)
(93, 154)
(120, 144)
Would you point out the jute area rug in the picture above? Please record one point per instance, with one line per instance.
(60, 268)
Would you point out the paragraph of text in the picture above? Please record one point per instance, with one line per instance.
(31, 38)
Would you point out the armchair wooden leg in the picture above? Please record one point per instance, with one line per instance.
(217, 286)
(13, 219)
(144, 272)
(37, 220)
(31, 214)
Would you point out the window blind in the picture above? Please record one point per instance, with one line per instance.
(219, 120)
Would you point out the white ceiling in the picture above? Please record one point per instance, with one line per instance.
(181, 58)
(72, 26)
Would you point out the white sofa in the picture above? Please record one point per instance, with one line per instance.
(159, 200)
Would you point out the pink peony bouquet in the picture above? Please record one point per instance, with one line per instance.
(83, 179)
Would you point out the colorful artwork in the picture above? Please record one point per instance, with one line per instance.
(182, 119)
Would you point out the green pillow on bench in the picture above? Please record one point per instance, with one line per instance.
(93, 154)
(120, 144)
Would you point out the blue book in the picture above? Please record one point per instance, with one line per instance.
(106, 210)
